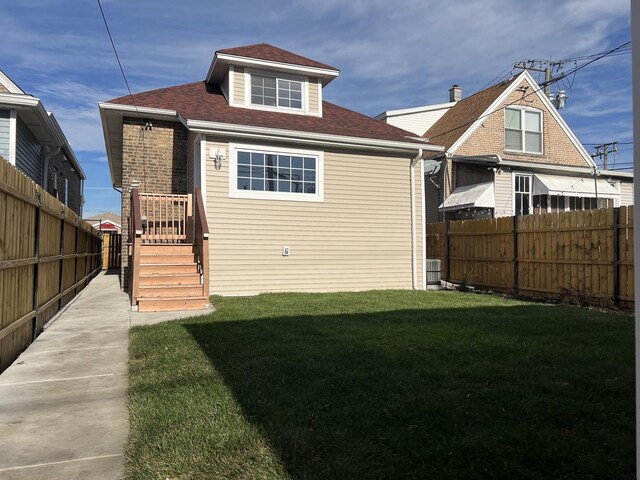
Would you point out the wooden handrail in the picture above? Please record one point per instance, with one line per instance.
(135, 211)
(201, 239)
(135, 237)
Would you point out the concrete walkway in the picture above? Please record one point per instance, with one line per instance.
(63, 408)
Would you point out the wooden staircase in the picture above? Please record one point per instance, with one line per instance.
(169, 279)
(169, 261)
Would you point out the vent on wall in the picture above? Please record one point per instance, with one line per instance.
(433, 271)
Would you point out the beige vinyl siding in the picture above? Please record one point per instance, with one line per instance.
(417, 123)
(238, 86)
(626, 193)
(359, 238)
(314, 98)
(503, 194)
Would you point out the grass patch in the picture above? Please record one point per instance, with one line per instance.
(393, 384)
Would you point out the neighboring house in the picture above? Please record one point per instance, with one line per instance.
(300, 194)
(106, 222)
(32, 141)
(508, 152)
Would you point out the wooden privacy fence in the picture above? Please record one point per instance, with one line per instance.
(47, 255)
(111, 246)
(584, 256)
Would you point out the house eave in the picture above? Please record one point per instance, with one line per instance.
(113, 113)
(221, 62)
(296, 136)
(51, 133)
(408, 111)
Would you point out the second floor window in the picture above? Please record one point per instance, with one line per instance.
(523, 130)
(276, 92)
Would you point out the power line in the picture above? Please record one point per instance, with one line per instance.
(603, 55)
(115, 51)
(147, 125)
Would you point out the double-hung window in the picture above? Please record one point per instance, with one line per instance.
(276, 92)
(523, 130)
(275, 173)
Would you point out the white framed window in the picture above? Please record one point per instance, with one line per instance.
(279, 92)
(275, 173)
(522, 194)
(523, 130)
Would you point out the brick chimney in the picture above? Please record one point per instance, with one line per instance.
(455, 93)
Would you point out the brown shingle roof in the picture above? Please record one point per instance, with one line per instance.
(463, 114)
(264, 51)
(201, 101)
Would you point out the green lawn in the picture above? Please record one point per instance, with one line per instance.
(384, 385)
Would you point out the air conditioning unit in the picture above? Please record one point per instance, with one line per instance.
(433, 271)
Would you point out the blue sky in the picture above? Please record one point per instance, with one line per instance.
(391, 55)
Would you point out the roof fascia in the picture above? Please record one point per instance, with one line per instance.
(66, 145)
(478, 121)
(46, 119)
(408, 111)
(326, 74)
(525, 75)
(9, 84)
(297, 136)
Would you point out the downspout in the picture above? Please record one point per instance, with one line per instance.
(414, 262)
(423, 229)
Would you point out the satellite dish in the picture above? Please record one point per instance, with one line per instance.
(431, 167)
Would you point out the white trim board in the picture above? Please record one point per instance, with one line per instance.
(264, 195)
(525, 75)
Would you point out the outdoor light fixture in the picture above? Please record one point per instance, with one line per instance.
(218, 157)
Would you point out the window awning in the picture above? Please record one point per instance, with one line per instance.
(573, 186)
(471, 196)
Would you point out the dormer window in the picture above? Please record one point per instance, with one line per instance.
(272, 92)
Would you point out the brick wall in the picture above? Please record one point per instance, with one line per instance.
(157, 159)
(489, 138)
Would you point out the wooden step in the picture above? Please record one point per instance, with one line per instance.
(171, 303)
(163, 291)
(167, 258)
(168, 268)
(170, 279)
(149, 248)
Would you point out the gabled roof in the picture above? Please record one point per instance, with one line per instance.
(455, 126)
(459, 118)
(265, 56)
(264, 51)
(203, 102)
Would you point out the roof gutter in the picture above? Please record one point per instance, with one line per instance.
(295, 136)
(48, 120)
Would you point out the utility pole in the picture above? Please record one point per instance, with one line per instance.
(545, 66)
(603, 151)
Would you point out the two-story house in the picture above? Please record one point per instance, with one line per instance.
(508, 152)
(298, 194)
(31, 139)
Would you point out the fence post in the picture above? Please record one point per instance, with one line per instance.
(616, 256)
(36, 254)
(448, 249)
(60, 277)
(515, 256)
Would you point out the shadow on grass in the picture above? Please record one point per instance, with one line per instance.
(448, 393)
